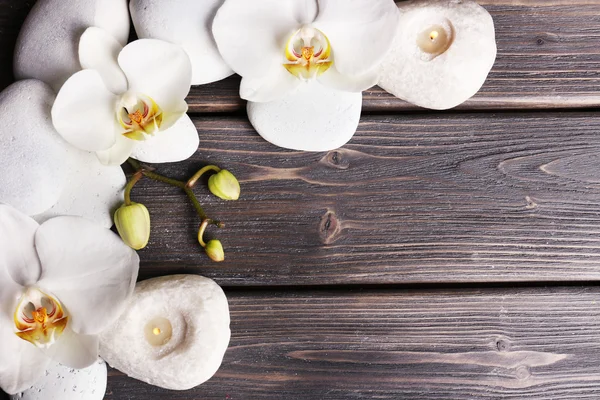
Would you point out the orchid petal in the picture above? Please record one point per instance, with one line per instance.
(251, 35)
(18, 257)
(88, 268)
(188, 24)
(335, 80)
(84, 112)
(21, 363)
(93, 190)
(99, 50)
(74, 350)
(33, 170)
(157, 69)
(174, 114)
(361, 32)
(117, 154)
(328, 118)
(47, 45)
(271, 87)
(177, 143)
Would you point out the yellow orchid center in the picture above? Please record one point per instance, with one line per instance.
(308, 52)
(139, 115)
(39, 318)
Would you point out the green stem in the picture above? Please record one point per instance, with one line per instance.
(195, 203)
(134, 179)
(186, 186)
(164, 179)
(201, 232)
(194, 179)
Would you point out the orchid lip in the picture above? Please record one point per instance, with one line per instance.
(39, 318)
(308, 53)
(139, 116)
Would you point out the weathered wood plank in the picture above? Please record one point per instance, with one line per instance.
(424, 198)
(547, 58)
(501, 343)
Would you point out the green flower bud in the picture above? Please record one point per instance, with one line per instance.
(133, 224)
(214, 250)
(224, 185)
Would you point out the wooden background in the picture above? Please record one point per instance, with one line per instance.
(438, 255)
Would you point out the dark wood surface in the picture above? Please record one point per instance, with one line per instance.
(420, 198)
(540, 343)
(384, 269)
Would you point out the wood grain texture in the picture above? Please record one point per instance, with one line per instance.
(547, 58)
(494, 344)
(423, 198)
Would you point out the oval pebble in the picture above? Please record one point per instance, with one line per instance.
(193, 316)
(62, 383)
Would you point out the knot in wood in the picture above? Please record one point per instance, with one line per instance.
(337, 159)
(502, 345)
(329, 228)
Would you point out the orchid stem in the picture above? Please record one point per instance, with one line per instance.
(134, 179)
(186, 186)
(194, 179)
(164, 179)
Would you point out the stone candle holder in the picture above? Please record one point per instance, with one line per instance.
(173, 334)
(443, 52)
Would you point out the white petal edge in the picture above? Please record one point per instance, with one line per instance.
(251, 35)
(315, 118)
(18, 258)
(274, 86)
(89, 269)
(361, 32)
(157, 69)
(93, 190)
(188, 24)
(117, 154)
(21, 363)
(335, 80)
(175, 144)
(33, 169)
(73, 350)
(99, 50)
(84, 112)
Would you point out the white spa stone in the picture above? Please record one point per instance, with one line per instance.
(92, 190)
(187, 23)
(198, 314)
(314, 118)
(440, 81)
(33, 169)
(47, 47)
(62, 383)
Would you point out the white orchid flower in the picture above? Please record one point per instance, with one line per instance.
(304, 63)
(61, 284)
(128, 101)
(42, 175)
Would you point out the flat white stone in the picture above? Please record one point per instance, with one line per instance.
(47, 47)
(93, 191)
(33, 169)
(199, 314)
(314, 118)
(187, 23)
(65, 383)
(448, 79)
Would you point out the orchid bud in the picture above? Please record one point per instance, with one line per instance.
(214, 250)
(224, 185)
(133, 224)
